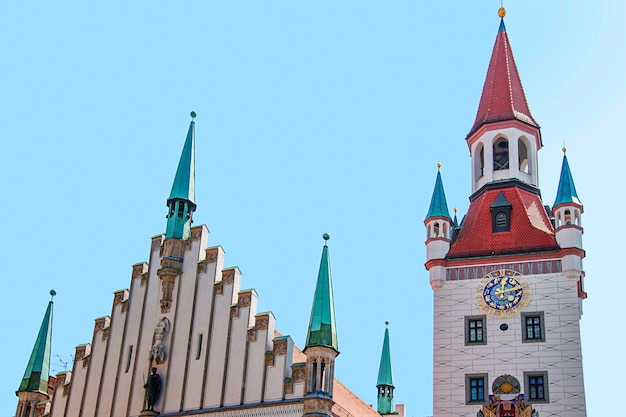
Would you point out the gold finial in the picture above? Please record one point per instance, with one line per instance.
(438, 165)
(455, 210)
(564, 149)
(501, 12)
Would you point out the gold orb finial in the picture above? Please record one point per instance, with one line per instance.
(564, 149)
(438, 165)
(501, 12)
(455, 210)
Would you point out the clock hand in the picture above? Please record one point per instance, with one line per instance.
(519, 287)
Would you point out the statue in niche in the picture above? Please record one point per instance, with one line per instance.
(157, 352)
(153, 390)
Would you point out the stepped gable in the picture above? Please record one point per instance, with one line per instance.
(531, 230)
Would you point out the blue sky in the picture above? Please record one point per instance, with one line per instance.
(312, 118)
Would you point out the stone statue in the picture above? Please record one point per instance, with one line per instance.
(153, 389)
(157, 352)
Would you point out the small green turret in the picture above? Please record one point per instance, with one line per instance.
(385, 378)
(181, 203)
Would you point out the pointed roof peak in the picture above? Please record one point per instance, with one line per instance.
(184, 182)
(566, 191)
(438, 204)
(38, 369)
(503, 96)
(322, 327)
(385, 374)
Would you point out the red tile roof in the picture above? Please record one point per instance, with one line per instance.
(503, 96)
(531, 230)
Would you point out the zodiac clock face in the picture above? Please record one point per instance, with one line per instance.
(503, 293)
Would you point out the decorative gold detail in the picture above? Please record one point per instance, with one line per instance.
(317, 406)
(501, 12)
(157, 241)
(228, 276)
(280, 347)
(288, 385)
(261, 322)
(218, 288)
(196, 233)
(167, 287)
(61, 376)
(120, 297)
(298, 374)
(139, 270)
(502, 293)
(244, 299)
(81, 352)
(211, 255)
(269, 358)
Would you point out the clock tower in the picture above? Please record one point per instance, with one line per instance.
(508, 280)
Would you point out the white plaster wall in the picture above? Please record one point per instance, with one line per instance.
(59, 400)
(79, 376)
(151, 316)
(112, 365)
(256, 361)
(131, 337)
(96, 364)
(181, 318)
(196, 367)
(234, 373)
(217, 346)
(560, 355)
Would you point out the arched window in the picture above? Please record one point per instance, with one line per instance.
(436, 230)
(568, 217)
(500, 154)
(522, 152)
(479, 161)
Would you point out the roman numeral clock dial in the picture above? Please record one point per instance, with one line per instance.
(503, 293)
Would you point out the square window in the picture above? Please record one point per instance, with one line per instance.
(536, 387)
(475, 388)
(475, 330)
(533, 327)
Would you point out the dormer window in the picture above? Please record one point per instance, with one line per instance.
(501, 214)
(500, 154)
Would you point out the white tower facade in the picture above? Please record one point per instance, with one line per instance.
(508, 293)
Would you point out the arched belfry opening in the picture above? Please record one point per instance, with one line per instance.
(479, 161)
(500, 154)
(522, 156)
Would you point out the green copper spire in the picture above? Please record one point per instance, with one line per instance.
(385, 378)
(438, 203)
(566, 193)
(322, 327)
(181, 201)
(38, 368)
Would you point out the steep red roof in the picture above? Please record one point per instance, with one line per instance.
(503, 96)
(531, 230)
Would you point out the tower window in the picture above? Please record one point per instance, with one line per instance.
(522, 150)
(475, 388)
(475, 330)
(536, 387)
(501, 154)
(501, 214)
(533, 327)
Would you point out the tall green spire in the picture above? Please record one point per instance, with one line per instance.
(38, 369)
(322, 327)
(566, 193)
(438, 204)
(385, 378)
(181, 204)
